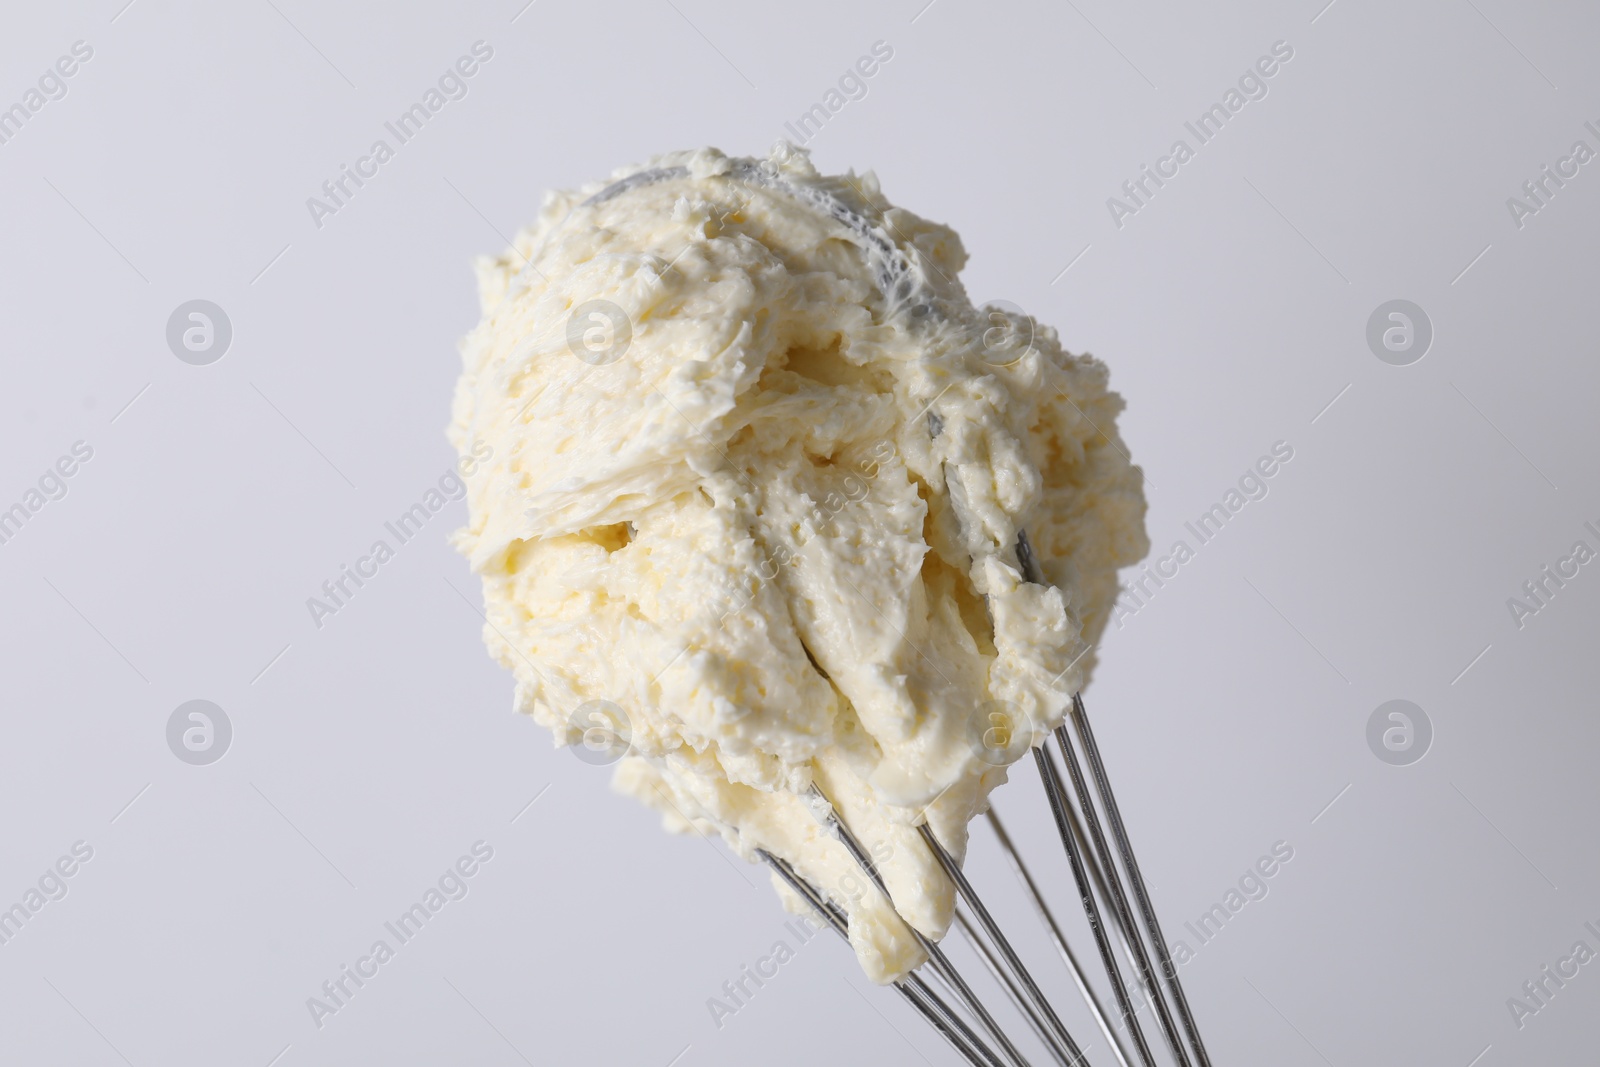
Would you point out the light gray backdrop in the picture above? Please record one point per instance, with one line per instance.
(369, 754)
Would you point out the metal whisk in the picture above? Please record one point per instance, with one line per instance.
(1105, 881)
(1106, 874)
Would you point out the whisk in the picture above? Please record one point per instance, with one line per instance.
(1106, 875)
(1104, 881)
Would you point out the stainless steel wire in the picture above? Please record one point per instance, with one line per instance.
(1080, 717)
(1013, 974)
(1090, 997)
(1123, 913)
(936, 957)
(1109, 885)
(916, 992)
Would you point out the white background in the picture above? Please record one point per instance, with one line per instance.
(370, 754)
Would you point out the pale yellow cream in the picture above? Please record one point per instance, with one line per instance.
(772, 513)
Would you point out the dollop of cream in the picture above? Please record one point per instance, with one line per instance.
(770, 515)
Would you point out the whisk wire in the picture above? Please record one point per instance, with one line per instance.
(1059, 803)
(940, 962)
(949, 1025)
(1119, 899)
(927, 1003)
(1169, 970)
(1091, 998)
(1096, 864)
(1104, 888)
(1014, 976)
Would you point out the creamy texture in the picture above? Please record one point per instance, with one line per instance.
(774, 516)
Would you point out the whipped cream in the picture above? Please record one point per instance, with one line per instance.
(760, 477)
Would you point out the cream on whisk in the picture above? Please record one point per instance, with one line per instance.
(766, 483)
